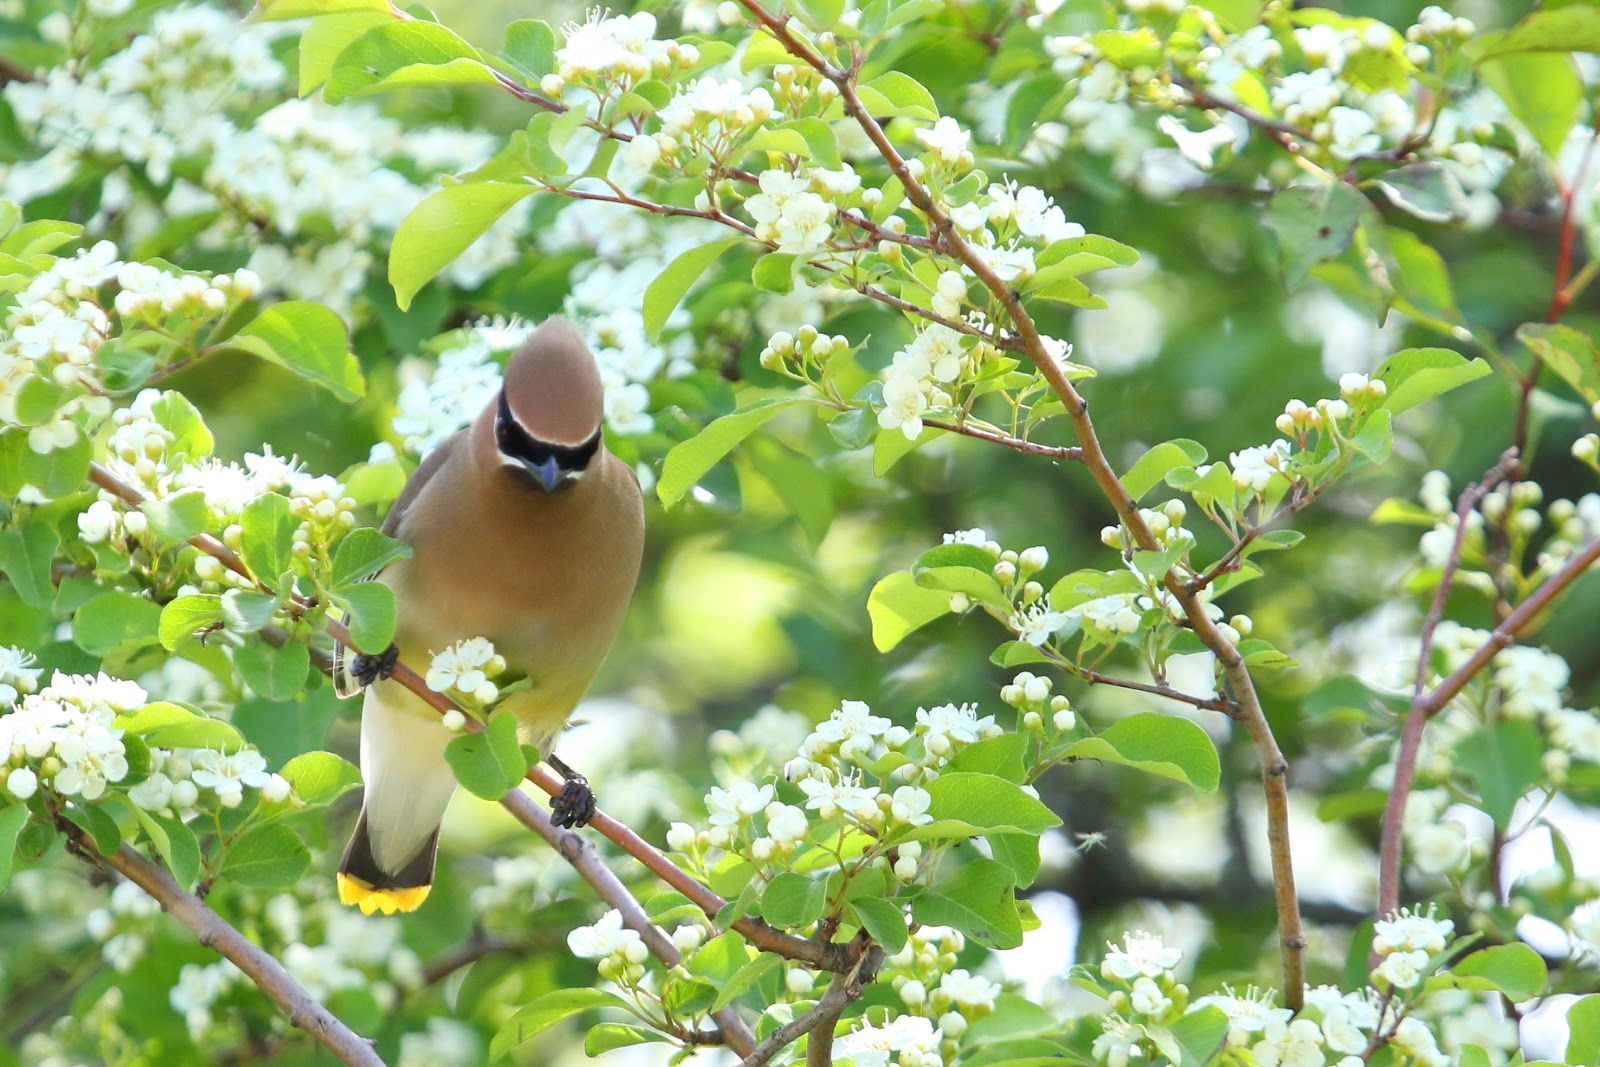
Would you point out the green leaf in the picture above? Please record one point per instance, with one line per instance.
(1004, 756)
(13, 817)
(818, 14)
(1515, 970)
(1575, 28)
(267, 536)
(607, 1036)
(364, 553)
(774, 272)
(244, 611)
(25, 557)
(59, 472)
(793, 900)
(441, 227)
(326, 36)
(662, 296)
(979, 900)
(964, 803)
(964, 569)
(98, 824)
(489, 763)
(372, 614)
(1153, 466)
(1163, 745)
(1568, 352)
(1313, 223)
(174, 842)
(689, 460)
(181, 618)
(273, 10)
(892, 445)
(1543, 91)
(320, 778)
(396, 48)
(1200, 1034)
(309, 340)
(180, 516)
(1418, 374)
(115, 619)
(37, 400)
(1504, 761)
(1017, 654)
(894, 93)
(1428, 191)
(532, 1019)
(164, 724)
(884, 920)
(273, 673)
(1583, 1028)
(744, 978)
(531, 47)
(268, 856)
(897, 605)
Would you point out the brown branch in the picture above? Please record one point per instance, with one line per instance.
(1229, 561)
(267, 973)
(821, 1019)
(1274, 768)
(1211, 703)
(1289, 136)
(451, 960)
(11, 71)
(1505, 635)
(1405, 771)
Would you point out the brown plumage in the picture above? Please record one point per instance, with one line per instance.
(518, 535)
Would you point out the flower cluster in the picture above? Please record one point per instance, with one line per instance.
(619, 50)
(621, 952)
(465, 669)
(179, 111)
(69, 738)
(1407, 941)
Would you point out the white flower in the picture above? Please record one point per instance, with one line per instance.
(98, 692)
(228, 776)
(1412, 931)
(786, 824)
(1290, 1044)
(946, 139)
(1037, 622)
(152, 794)
(1402, 969)
(938, 348)
(1147, 997)
(22, 783)
(605, 938)
(947, 727)
(16, 677)
(870, 1046)
(903, 405)
(1254, 468)
(731, 806)
(969, 990)
(850, 797)
(1248, 1012)
(1141, 954)
(910, 805)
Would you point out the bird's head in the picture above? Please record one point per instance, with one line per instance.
(547, 423)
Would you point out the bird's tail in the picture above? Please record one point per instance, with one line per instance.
(388, 865)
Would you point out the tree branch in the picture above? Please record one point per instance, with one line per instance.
(1405, 770)
(214, 932)
(819, 1022)
(1274, 768)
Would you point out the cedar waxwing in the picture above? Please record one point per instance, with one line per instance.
(525, 530)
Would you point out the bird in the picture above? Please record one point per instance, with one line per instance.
(524, 529)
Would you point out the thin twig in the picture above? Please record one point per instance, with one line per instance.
(1505, 635)
(214, 932)
(819, 1022)
(1405, 770)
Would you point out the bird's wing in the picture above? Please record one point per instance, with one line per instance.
(343, 683)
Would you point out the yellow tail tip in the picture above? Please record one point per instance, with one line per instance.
(353, 891)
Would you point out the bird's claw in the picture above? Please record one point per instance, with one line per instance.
(368, 669)
(575, 806)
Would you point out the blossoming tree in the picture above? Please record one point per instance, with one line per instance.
(1055, 752)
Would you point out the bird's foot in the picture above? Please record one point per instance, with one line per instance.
(575, 806)
(368, 669)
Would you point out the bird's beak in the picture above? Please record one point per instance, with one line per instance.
(548, 474)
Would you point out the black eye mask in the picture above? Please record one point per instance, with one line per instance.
(514, 441)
